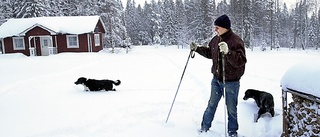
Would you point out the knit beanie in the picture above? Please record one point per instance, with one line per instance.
(223, 21)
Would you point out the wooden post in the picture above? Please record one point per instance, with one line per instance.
(32, 50)
(284, 114)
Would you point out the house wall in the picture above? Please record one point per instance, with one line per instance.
(61, 43)
(57, 40)
(94, 47)
(63, 46)
(83, 44)
(35, 42)
(101, 31)
(8, 46)
(100, 27)
(37, 31)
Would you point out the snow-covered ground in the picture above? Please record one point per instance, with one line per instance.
(38, 97)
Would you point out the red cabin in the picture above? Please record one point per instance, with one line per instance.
(43, 36)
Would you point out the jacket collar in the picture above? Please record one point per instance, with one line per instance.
(226, 35)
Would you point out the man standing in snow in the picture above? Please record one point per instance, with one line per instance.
(229, 44)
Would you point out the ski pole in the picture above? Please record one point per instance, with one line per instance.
(191, 54)
(224, 92)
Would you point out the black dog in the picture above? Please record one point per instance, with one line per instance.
(263, 99)
(97, 85)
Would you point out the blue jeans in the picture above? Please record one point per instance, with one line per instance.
(232, 90)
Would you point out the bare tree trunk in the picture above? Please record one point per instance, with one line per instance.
(294, 35)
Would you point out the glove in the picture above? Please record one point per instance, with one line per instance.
(193, 46)
(223, 47)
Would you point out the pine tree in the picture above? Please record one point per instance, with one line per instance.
(299, 21)
(155, 22)
(237, 17)
(182, 37)
(178, 22)
(194, 20)
(312, 31)
(3, 12)
(318, 31)
(131, 22)
(15, 8)
(284, 27)
(247, 23)
(261, 20)
(147, 16)
(36, 8)
(223, 8)
(143, 25)
(111, 12)
(207, 12)
(169, 27)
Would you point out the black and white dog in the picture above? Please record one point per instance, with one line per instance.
(263, 99)
(97, 85)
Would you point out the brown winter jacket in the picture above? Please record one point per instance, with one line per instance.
(235, 60)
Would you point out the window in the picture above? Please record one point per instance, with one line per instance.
(45, 42)
(72, 41)
(97, 39)
(18, 43)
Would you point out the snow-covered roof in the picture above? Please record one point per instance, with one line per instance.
(64, 24)
(303, 77)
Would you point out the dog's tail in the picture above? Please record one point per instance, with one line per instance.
(117, 82)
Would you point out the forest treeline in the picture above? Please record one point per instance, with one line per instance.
(261, 23)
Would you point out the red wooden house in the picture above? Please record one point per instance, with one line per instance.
(42, 36)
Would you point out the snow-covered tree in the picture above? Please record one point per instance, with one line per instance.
(111, 12)
(155, 23)
(236, 9)
(14, 8)
(3, 12)
(169, 22)
(318, 31)
(247, 23)
(284, 27)
(36, 8)
(300, 19)
(194, 20)
(208, 10)
(260, 23)
(143, 24)
(182, 31)
(261, 26)
(131, 21)
(223, 8)
(312, 31)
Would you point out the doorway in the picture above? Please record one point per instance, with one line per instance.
(45, 43)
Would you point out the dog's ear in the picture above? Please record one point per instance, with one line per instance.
(83, 78)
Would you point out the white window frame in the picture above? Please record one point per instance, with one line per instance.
(20, 47)
(68, 42)
(97, 39)
(1, 46)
